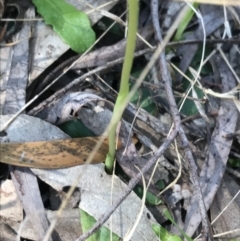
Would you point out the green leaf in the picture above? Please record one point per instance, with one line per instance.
(163, 234)
(116, 29)
(103, 234)
(235, 163)
(70, 24)
(150, 198)
(206, 68)
(169, 217)
(160, 184)
(189, 108)
(75, 128)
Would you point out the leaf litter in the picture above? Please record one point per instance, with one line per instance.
(141, 133)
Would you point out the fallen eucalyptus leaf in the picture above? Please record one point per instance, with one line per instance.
(96, 196)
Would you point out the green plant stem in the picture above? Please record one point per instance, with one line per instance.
(184, 22)
(124, 85)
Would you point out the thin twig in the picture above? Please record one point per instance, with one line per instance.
(166, 79)
(208, 41)
(198, 116)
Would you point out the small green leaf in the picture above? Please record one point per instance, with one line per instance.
(206, 69)
(75, 128)
(151, 199)
(103, 234)
(70, 24)
(163, 234)
(169, 217)
(189, 108)
(235, 163)
(160, 184)
(116, 29)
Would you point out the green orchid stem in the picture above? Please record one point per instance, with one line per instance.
(124, 85)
